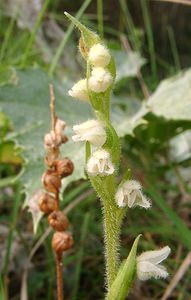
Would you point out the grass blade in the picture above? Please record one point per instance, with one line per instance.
(181, 229)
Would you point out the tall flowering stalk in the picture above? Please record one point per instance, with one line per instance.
(57, 169)
(103, 153)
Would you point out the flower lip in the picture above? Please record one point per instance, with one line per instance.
(92, 131)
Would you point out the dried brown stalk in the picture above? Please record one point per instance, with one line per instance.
(57, 169)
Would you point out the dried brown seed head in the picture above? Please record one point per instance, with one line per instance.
(62, 241)
(50, 140)
(47, 203)
(64, 167)
(51, 181)
(52, 156)
(58, 220)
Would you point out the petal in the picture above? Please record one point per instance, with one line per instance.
(131, 199)
(119, 198)
(140, 200)
(146, 270)
(155, 256)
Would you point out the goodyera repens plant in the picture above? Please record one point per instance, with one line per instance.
(58, 168)
(103, 155)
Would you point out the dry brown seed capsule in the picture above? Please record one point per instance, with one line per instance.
(58, 220)
(52, 156)
(62, 241)
(51, 181)
(47, 203)
(64, 167)
(64, 139)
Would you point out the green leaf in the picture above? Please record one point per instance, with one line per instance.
(172, 99)
(120, 287)
(128, 64)
(26, 103)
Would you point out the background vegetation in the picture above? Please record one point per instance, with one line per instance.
(151, 42)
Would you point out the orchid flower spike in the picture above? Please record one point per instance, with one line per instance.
(100, 163)
(99, 55)
(79, 90)
(100, 80)
(148, 264)
(91, 131)
(129, 193)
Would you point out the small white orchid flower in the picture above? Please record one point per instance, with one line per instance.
(99, 56)
(148, 264)
(129, 193)
(79, 90)
(91, 131)
(100, 163)
(100, 80)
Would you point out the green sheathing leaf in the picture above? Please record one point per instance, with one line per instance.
(172, 99)
(120, 287)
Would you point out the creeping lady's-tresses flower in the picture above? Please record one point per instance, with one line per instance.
(100, 163)
(91, 131)
(148, 264)
(129, 193)
(79, 90)
(100, 80)
(99, 56)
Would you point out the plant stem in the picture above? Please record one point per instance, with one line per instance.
(59, 268)
(111, 238)
(112, 221)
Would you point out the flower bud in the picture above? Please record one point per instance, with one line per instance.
(51, 181)
(62, 241)
(79, 90)
(64, 167)
(99, 56)
(100, 80)
(47, 203)
(58, 220)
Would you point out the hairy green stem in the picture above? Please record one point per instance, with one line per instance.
(113, 216)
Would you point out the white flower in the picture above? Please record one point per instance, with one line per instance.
(79, 90)
(100, 163)
(100, 80)
(148, 264)
(91, 131)
(99, 56)
(129, 193)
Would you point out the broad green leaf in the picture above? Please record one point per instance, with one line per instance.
(128, 64)
(120, 287)
(172, 99)
(26, 102)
